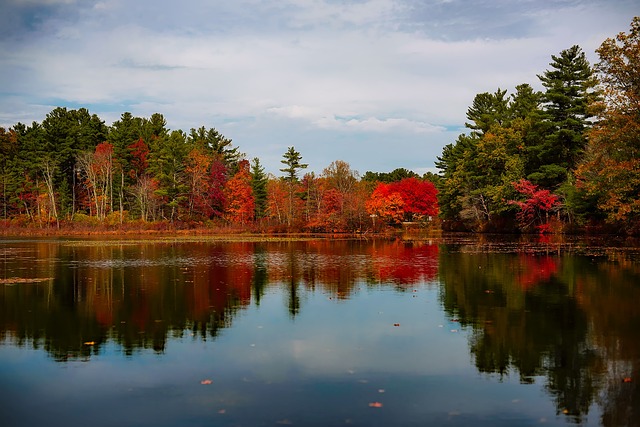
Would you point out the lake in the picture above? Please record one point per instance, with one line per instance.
(454, 331)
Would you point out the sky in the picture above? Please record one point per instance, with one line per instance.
(379, 84)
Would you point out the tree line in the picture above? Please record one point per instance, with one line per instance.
(561, 159)
(73, 169)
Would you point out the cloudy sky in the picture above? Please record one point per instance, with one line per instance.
(380, 84)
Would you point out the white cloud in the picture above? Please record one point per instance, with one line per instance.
(333, 77)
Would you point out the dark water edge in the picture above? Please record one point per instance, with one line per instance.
(437, 330)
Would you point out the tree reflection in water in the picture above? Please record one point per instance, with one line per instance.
(569, 321)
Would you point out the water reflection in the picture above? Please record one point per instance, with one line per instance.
(138, 294)
(553, 317)
(570, 321)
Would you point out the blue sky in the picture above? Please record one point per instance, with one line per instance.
(380, 84)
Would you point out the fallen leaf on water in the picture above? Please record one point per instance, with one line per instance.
(375, 405)
(627, 380)
(90, 343)
(206, 382)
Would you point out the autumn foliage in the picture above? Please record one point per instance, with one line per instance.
(407, 200)
(534, 210)
(240, 206)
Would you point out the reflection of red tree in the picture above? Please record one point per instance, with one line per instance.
(104, 312)
(216, 283)
(239, 272)
(405, 263)
(535, 269)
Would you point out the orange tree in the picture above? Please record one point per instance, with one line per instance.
(609, 174)
(238, 193)
(386, 204)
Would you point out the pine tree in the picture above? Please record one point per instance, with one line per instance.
(569, 92)
(292, 159)
(259, 187)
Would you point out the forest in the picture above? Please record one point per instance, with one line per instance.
(561, 160)
(73, 171)
(564, 159)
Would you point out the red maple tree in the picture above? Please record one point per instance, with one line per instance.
(535, 208)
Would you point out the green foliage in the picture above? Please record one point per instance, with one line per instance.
(395, 175)
(570, 90)
(292, 160)
(167, 164)
(477, 171)
(533, 135)
(216, 143)
(259, 186)
(487, 110)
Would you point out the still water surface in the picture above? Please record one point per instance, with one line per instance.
(453, 332)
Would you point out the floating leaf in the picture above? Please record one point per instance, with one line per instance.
(206, 382)
(375, 405)
(90, 343)
(627, 380)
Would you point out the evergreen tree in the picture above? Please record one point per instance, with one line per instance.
(8, 152)
(487, 110)
(395, 175)
(478, 170)
(66, 133)
(259, 186)
(216, 143)
(122, 134)
(569, 92)
(167, 166)
(292, 160)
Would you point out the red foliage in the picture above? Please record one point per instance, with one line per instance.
(408, 199)
(420, 197)
(215, 193)
(534, 210)
(406, 264)
(536, 270)
(140, 152)
(386, 204)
